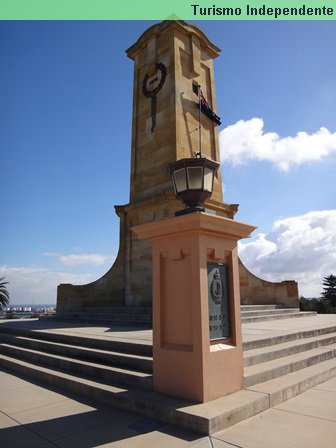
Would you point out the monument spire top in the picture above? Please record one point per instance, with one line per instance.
(171, 59)
(180, 25)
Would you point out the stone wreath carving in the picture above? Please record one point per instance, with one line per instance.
(151, 86)
(216, 288)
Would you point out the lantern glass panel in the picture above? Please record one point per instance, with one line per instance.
(208, 179)
(180, 180)
(195, 177)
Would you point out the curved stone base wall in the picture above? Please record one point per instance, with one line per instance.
(109, 290)
(129, 281)
(256, 291)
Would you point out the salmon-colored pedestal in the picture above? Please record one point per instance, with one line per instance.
(186, 362)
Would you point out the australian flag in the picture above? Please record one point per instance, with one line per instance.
(204, 105)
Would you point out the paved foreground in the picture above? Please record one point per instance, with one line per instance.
(34, 416)
(42, 416)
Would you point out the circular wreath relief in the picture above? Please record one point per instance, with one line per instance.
(216, 288)
(153, 84)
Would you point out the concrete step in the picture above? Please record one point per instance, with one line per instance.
(246, 320)
(205, 418)
(271, 312)
(227, 411)
(105, 319)
(278, 368)
(105, 357)
(286, 387)
(260, 307)
(84, 369)
(90, 315)
(265, 354)
(265, 371)
(116, 362)
(287, 337)
(149, 403)
(135, 348)
(121, 316)
(121, 310)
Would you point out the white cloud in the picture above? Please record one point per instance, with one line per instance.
(38, 285)
(259, 249)
(246, 140)
(300, 248)
(81, 259)
(50, 254)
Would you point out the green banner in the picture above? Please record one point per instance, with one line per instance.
(167, 9)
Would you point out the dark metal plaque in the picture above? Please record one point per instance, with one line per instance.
(219, 318)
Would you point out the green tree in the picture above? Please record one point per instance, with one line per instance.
(321, 306)
(4, 294)
(305, 304)
(329, 289)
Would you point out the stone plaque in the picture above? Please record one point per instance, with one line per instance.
(219, 318)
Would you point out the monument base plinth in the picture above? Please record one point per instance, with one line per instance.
(197, 344)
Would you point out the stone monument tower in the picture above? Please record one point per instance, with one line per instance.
(171, 60)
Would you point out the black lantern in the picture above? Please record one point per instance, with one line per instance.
(193, 181)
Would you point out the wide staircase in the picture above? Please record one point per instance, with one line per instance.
(119, 373)
(259, 313)
(142, 316)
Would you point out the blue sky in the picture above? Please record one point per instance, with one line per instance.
(65, 136)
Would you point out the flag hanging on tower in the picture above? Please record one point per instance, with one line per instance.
(204, 105)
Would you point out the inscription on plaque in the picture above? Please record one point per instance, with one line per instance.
(219, 319)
